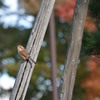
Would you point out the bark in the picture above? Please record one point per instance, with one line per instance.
(68, 78)
(33, 47)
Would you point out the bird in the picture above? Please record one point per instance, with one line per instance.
(24, 54)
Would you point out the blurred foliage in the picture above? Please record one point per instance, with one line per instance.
(91, 43)
(40, 85)
(94, 8)
(32, 6)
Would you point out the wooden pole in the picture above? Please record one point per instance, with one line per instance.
(33, 47)
(53, 56)
(68, 78)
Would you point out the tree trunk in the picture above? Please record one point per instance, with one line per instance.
(33, 47)
(71, 63)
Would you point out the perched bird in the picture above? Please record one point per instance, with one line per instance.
(23, 53)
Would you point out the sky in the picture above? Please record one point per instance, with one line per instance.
(6, 83)
(12, 16)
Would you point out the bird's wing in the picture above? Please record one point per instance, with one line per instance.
(24, 54)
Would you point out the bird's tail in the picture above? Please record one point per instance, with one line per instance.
(32, 60)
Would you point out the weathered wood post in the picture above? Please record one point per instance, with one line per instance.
(71, 63)
(33, 47)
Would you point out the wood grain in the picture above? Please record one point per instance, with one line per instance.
(68, 78)
(33, 47)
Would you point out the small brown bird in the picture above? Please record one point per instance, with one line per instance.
(23, 53)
